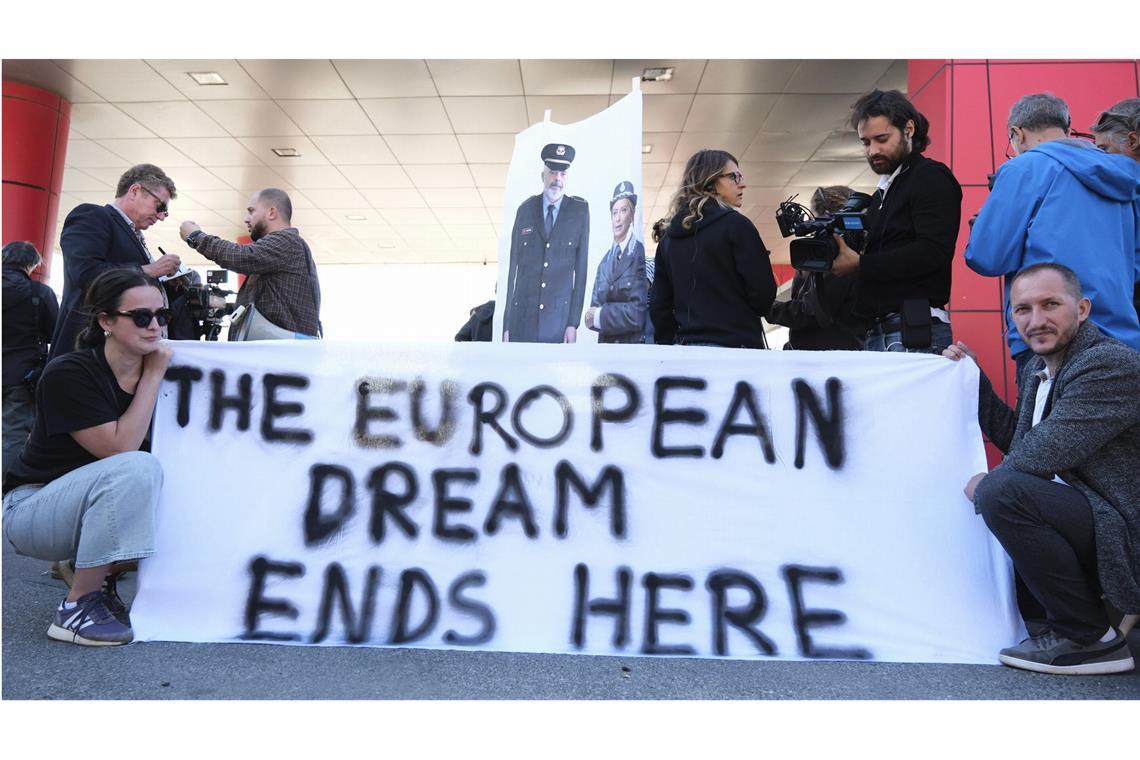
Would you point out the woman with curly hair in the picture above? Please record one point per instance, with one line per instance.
(713, 280)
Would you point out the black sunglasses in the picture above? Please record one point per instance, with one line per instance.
(142, 317)
(161, 208)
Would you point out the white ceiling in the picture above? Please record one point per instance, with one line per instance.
(420, 148)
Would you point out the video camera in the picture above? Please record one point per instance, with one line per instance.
(207, 303)
(816, 249)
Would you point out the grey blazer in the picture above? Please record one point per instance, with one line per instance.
(1090, 436)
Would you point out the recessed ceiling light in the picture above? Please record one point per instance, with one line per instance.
(356, 218)
(657, 75)
(287, 152)
(646, 148)
(207, 77)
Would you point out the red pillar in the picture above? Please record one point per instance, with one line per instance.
(35, 128)
(967, 102)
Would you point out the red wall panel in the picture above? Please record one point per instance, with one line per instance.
(970, 290)
(973, 157)
(933, 102)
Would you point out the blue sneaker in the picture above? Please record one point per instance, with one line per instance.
(89, 623)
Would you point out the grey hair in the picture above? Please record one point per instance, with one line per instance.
(1118, 121)
(147, 175)
(1040, 110)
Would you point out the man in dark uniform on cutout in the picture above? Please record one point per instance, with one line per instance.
(546, 277)
(621, 290)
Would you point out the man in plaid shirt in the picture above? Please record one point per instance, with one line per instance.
(281, 277)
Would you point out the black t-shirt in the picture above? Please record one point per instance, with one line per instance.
(77, 391)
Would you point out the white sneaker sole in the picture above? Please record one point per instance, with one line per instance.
(1084, 669)
(62, 634)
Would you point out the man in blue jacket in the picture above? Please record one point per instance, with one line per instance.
(1062, 200)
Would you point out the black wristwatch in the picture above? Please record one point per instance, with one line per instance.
(193, 238)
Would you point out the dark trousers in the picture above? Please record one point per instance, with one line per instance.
(1047, 529)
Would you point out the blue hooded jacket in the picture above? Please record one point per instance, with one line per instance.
(1066, 202)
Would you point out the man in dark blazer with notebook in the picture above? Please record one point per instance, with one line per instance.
(546, 278)
(96, 238)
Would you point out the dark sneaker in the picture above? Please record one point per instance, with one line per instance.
(114, 601)
(1050, 653)
(89, 623)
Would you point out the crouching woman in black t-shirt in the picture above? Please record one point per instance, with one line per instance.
(85, 486)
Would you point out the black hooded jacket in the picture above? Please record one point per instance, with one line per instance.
(21, 344)
(714, 281)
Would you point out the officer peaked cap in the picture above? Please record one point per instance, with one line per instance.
(557, 156)
(624, 189)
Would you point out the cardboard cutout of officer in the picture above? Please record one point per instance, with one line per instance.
(546, 278)
(621, 290)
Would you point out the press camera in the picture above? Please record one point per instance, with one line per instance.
(207, 304)
(816, 248)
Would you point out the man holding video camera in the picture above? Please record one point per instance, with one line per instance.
(912, 228)
(281, 295)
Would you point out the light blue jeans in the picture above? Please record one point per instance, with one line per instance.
(98, 514)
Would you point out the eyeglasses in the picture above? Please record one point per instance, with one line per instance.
(1008, 143)
(161, 208)
(737, 177)
(142, 317)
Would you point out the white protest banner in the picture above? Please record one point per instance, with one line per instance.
(613, 500)
(546, 278)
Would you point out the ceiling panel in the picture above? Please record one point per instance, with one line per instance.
(490, 175)
(148, 151)
(496, 114)
(825, 76)
(690, 142)
(840, 146)
(100, 120)
(487, 149)
(769, 173)
(197, 178)
(251, 118)
(686, 75)
(75, 180)
(449, 198)
(729, 113)
(239, 85)
(440, 175)
(747, 76)
(894, 78)
(377, 176)
(663, 144)
(408, 116)
(476, 77)
(328, 117)
(121, 80)
(248, 178)
(386, 79)
(793, 112)
(426, 149)
(385, 198)
(568, 77)
(828, 173)
(174, 119)
(354, 149)
(313, 177)
(87, 153)
(797, 145)
(216, 151)
(564, 109)
(337, 198)
(263, 147)
(296, 79)
(664, 113)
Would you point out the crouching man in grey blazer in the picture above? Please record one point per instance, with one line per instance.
(1065, 501)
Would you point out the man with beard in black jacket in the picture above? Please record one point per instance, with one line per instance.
(912, 229)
